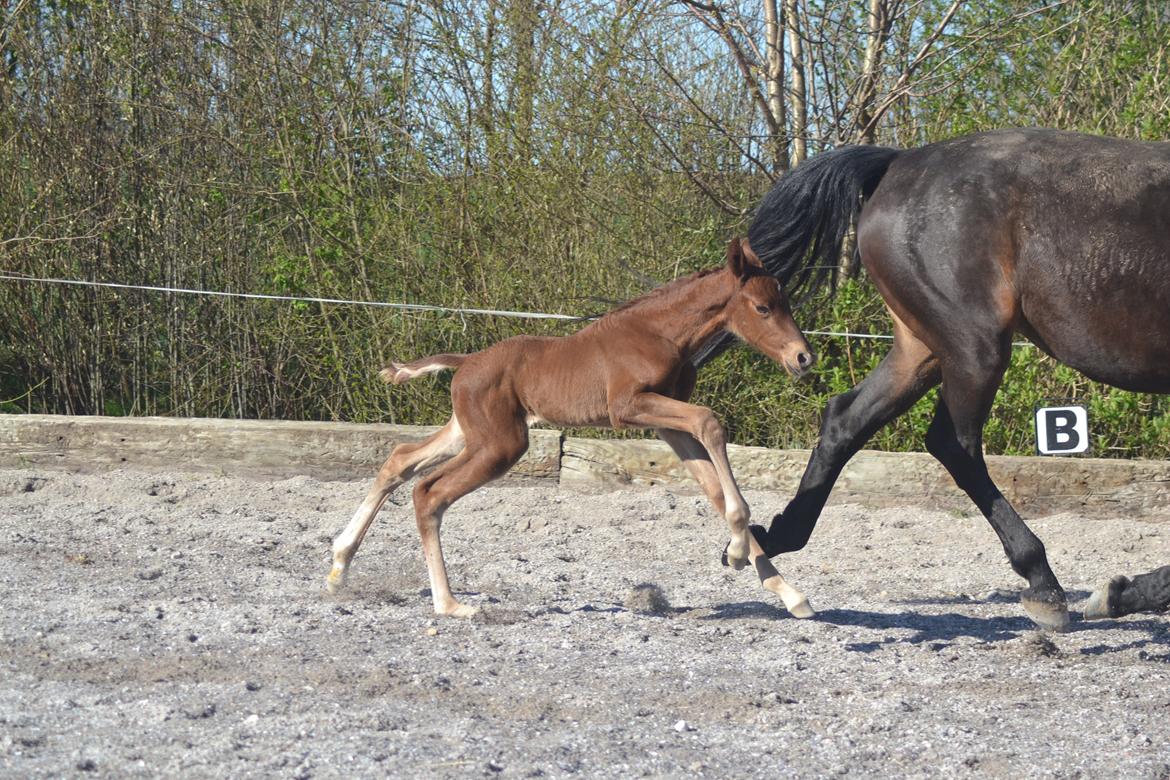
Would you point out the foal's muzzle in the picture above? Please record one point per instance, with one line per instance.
(799, 365)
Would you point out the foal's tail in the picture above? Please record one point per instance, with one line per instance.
(801, 223)
(397, 373)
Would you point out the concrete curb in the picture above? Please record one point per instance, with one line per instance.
(281, 449)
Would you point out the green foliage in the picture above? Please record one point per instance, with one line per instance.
(382, 153)
(1098, 66)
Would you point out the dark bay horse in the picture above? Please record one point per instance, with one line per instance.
(1061, 237)
(630, 369)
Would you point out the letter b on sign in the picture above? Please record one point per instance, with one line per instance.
(1062, 430)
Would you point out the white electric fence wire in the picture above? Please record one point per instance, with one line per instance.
(529, 315)
(293, 298)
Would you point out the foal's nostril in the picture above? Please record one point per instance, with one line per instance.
(805, 359)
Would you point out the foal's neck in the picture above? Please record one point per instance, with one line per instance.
(688, 312)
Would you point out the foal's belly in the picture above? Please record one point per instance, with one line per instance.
(576, 404)
(573, 418)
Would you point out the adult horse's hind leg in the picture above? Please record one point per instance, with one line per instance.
(1124, 596)
(955, 438)
(404, 462)
(698, 463)
(482, 460)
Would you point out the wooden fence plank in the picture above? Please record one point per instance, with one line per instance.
(278, 449)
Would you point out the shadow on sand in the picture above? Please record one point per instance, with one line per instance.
(1150, 636)
(941, 629)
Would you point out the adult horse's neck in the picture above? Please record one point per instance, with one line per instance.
(688, 312)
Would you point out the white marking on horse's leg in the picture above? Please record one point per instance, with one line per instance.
(403, 463)
(346, 543)
(738, 516)
(794, 601)
(714, 441)
(441, 596)
(703, 470)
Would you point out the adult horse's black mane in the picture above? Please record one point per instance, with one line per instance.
(1062, 237)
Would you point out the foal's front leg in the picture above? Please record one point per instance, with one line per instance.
(651, 410)
(695, 458)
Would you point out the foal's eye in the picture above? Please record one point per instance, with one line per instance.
(763, 311)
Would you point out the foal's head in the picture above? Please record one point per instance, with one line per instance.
(759, 314)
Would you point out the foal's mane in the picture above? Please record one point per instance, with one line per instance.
(670, 288)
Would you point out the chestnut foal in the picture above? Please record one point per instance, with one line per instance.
(629, 369)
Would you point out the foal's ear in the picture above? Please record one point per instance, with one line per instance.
(735, 261)
(750, 256)
(741, 260)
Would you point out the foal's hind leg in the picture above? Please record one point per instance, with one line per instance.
(698, 463)
(404, 462)
(481, 461)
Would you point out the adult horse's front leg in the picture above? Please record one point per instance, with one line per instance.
(955, 438)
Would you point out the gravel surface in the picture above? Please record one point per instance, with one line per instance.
(177, 624)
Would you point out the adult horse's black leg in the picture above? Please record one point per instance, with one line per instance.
(1124, 596)
(850, 419)
(955, 438)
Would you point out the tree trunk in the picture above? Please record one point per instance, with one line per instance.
(877, 30)
(487, 106)
(774, 78)
(798, 93)
(522, 18)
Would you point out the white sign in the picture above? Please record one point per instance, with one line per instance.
(1062, 430)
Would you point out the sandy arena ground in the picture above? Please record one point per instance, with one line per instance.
(170, 624)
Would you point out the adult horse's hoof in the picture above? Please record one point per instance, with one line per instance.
(1048, 609)
(761, 535)
(1105, 601)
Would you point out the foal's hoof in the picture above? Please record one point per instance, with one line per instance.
(460, 611)
(759, 532)
(734, 561)
(1104, 602)
(335, 582)
(1048, 609)
(801, 609)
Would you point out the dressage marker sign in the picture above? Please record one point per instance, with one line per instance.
(1062, 430)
